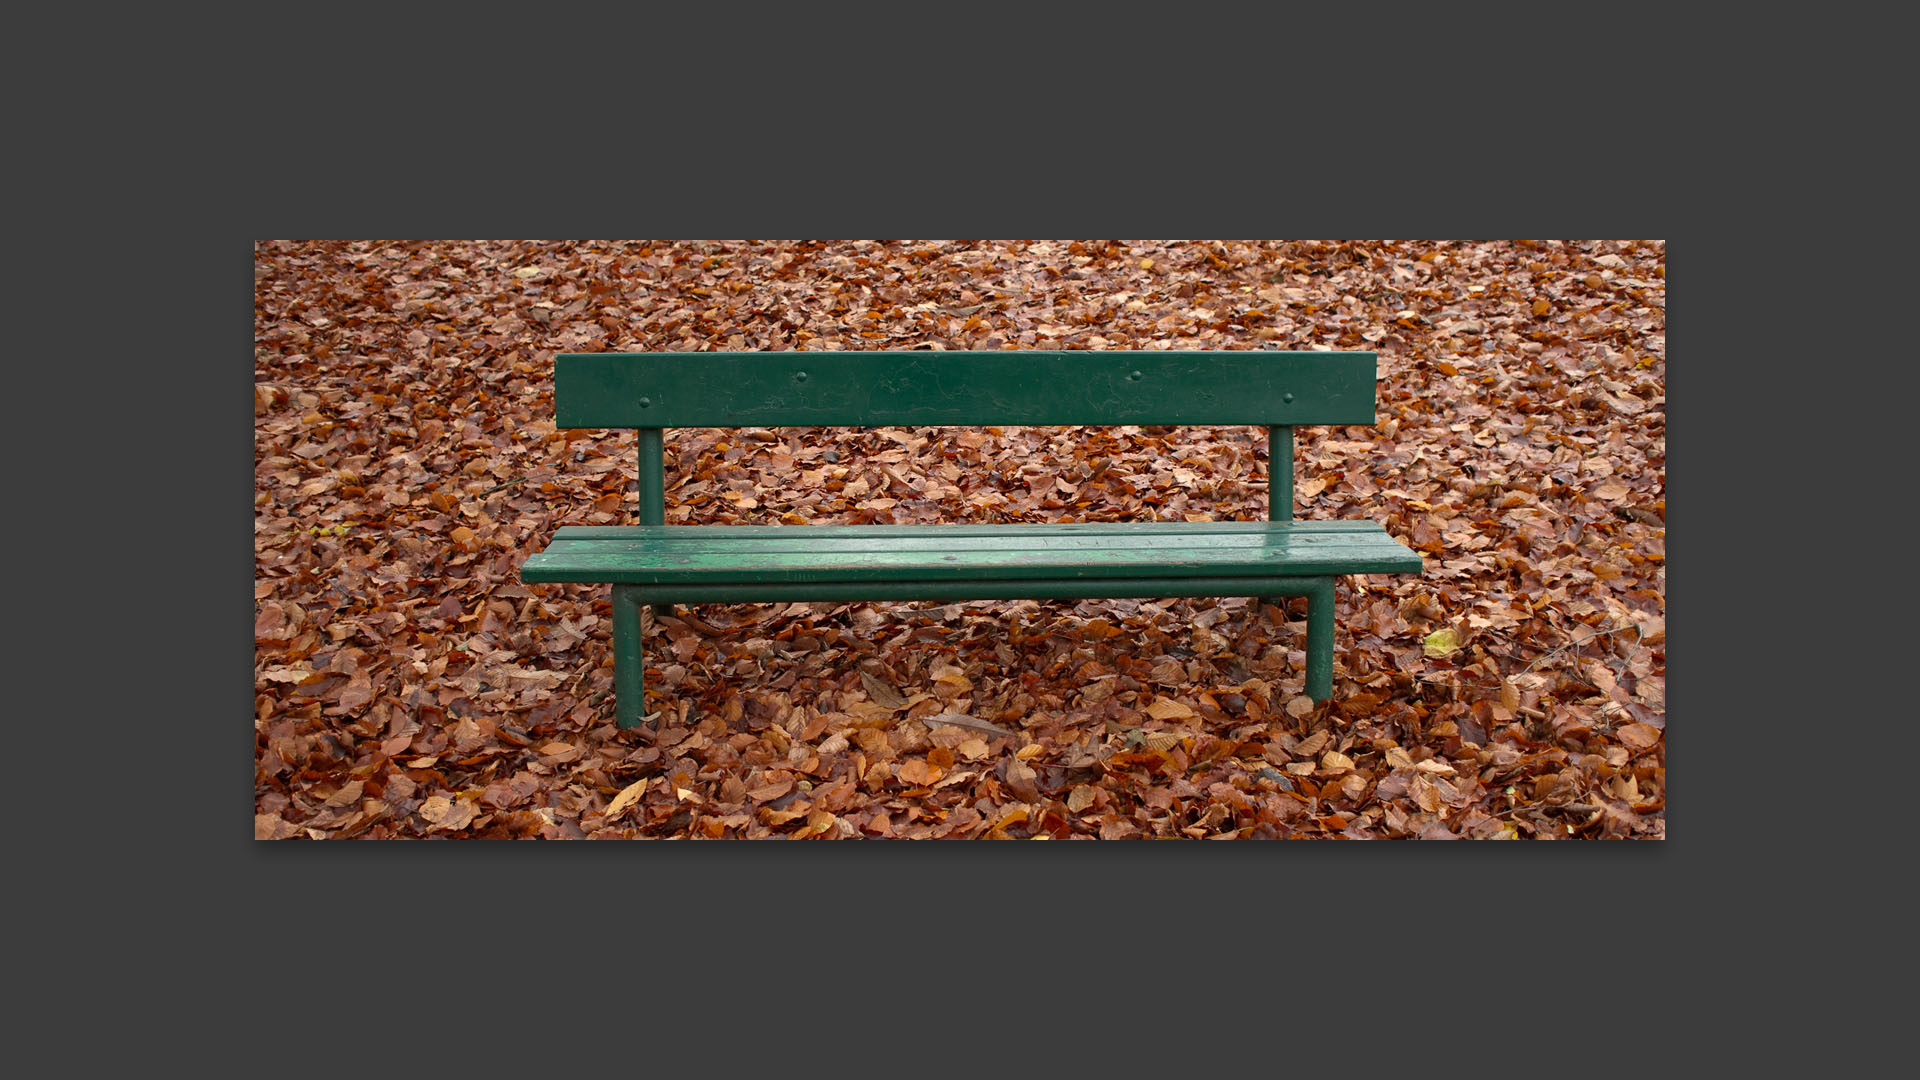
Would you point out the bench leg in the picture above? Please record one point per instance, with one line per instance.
(1320, 640)
(629, 672)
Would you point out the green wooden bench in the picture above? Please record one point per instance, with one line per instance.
(656, 563)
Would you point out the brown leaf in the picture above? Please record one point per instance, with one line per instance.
(882, 692)
(1168, 709)
(348, 794)
(1509, 695)
(964, 721)
(1638, 736)
(1425, 794)
(1020, 781)
(769, 791)
(272, 827)
(918, 772)
(448, 814)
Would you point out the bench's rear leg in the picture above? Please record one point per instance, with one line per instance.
(1279, 486)
(629, 660)
(1320, 640)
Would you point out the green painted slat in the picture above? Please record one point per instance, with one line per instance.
(1161, 560)
(736, 552)
(655, 540)
(875, 389)
(893, 563)
(1049, 528)
(749, 554)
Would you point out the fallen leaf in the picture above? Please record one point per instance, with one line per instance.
(770, 791)
(347, 795)
(1168, 709)
(628, 798)
(1442, 642)
(447, 814)
(272, 827)
(882, 692)
(1020, 781)
(964, 721)
(918, 772)
(1509, 695)
(1638, 736)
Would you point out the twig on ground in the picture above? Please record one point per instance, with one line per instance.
(497, 487)
(1635, 627)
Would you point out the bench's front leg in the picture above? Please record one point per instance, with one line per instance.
(629, 661)
(1320, 639)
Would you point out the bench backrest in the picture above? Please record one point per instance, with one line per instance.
(652, 391)
(918, 389)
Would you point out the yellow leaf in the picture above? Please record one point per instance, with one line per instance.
(1335, 761)
(526, 272)
(628, 796)
(1442, 642)
(1541, 307)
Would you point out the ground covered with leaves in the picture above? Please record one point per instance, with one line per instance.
(406, 462)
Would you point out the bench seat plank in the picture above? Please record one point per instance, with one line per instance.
(704, 555)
